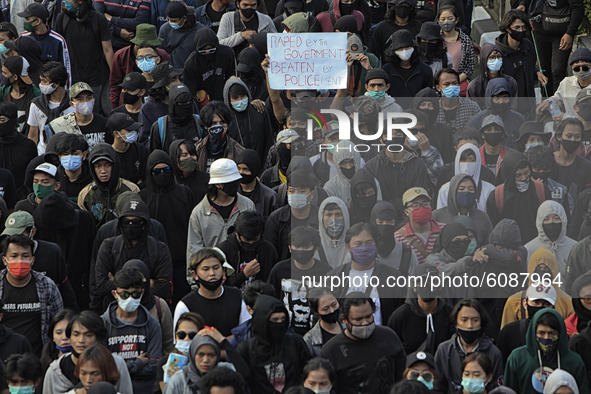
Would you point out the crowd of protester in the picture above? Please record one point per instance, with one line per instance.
(162, 208)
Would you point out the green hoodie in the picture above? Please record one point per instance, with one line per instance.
(524, 360)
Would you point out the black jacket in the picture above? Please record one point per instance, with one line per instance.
(50, 260)
(581, 344)
(16, 151)
(197, 181)
(12, 343)
(279, 225)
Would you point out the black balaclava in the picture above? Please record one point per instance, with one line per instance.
(8, 131)
(385, 233)
(251, 159)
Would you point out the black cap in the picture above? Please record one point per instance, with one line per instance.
(420, 356)
(121, 121)
(35, 9)
(133, 81)
(377, 73)
(176, 9)
(163, 73)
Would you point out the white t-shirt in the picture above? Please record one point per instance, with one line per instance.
(38, 119)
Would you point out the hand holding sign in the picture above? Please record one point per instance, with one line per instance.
(307, 61)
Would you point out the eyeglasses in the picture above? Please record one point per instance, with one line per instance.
(182, 334)
(136, 295)
(581, 68)
(158, 171)
(427, 376)
(207, 51)
(148, 57)
(417, 205)
(586, 299)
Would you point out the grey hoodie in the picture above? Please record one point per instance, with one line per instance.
(560, 378)
(334, 249)
(340, 185)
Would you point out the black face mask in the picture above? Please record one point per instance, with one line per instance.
(500, 108)
(429, 49)
(277, 330)
(402, 11)
(132, 231)
(8, 128)
(332, 317)
(211, 286)
(585, 111)
(347, 9)
(457, 249)
(246, 179)
(552, 230)
(531, 310)
(543, 176)
(183, 111)
(469, 336)
(216, 143)
(517, 35)
(366, 203)
(284, 155)
(494, 139)
(386, 232)
(129, 98)
(570, 146)
(348, 172)
(398, 140)
(162, 179)
(249, 247)
(247, 12)
(302, 256)
(231, 189)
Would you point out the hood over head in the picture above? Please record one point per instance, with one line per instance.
(300, 163)
(139, 265)
(248, 60)
(427, 94)
(485, 52)
(454, 183)
(251, 159)
(559, 378)
(583, 314)
(472, 169)
(231, 82)
(345, 150)
(347, 24)
(192, 374)
(55, 212)
(156, 157)
(106, 151)
(542, 262)
(383, 210)
(260, 44)
(174, 152)
(495, 87)
(530, 336)
(204, 37)
(469, 223)
(177, 94)
(360, 177)
(506, 233)
(512, 161)
(546, 209)
(297, 23)
(334, 249)
(264, 307)
(449, 232)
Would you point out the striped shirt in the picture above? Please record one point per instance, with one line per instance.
(422, 249)
(53, 48)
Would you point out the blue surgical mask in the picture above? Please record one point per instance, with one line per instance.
(471, 248)
(451, 91)
(175, 26)
(4, 80)
(129, 305)
(529, 146)
(322, 92)
(240, 105)
(494, 65)
(147, 65)
(377, 95)
(472, 385)
(71, 162)
(3, 49)
(429, 384)
(70, 7)
(64, 349)
(130, 137)
(183, 346)
(21, 389)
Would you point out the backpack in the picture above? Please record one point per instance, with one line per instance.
(500, 194)
(163, 121)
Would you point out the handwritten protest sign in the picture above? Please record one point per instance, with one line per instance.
(307, 61)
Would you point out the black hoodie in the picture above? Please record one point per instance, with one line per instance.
(521, 207)
(170, 204)
(255, 78)
(280, 361)
(197, 181)
(209, 72)
(16, 151)
(361, 207)
(115, 252)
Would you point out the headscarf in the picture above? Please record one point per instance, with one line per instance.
(192, 374)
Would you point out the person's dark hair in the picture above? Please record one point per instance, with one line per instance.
(101, 356)
(145, 45)
(256, 288)
(437, 76)
(510, 17)
(193, 317)
(541, 157)
(318, 363)
(473, 303)
(203, 254)
(315, 294)
(451, 8)
(550, 320)
(9, 29)
(70, 143)
(355, 298)
(214, 108)
(27, 366)
(91, 321)
(20, 240)
(55, 72)
(298, 113)
(567, 121)
(482, 359)
(238, 2)
(50, 352)
(249, 224)
(409, 387)
(222, 377)
(355, 230)
(391, 57)
(236, 90)
(304, 236)
(128, 278)
(301, 179)
(421, 116)
(467, 153)
(466, 133)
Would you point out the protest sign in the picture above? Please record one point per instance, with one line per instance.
(307, 61)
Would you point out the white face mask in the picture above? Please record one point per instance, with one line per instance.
(325, 391)
(183, 346)
(130, 304)
(47, 89)
(405, 54)
(468, 168)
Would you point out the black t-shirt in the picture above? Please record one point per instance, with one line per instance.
(22, 312)
(86, 50)
(67, 366)
(132, 163)
(223, 211)
(123, 110)
(491, 162)
(405, 72)
(252, 24)
(214, 17)
(586, 139)
(450, 114)
(94, 132)
(326, 336)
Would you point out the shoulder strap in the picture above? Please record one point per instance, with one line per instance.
(333, 19)
(499, 197)
(540, 190)
(405, 260)
(162, 128)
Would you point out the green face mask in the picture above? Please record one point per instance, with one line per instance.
(471, 248)
(28, 26)
(42, 191)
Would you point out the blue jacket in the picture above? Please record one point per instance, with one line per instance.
(158, 13)
(127, 14)
(53, 48)
(201, 14)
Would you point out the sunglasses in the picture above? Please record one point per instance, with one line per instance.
(136, 295)
(158, 171)
(581, 68)
(207, 51)
(586, 299)
(182, 334)
(427, 376)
